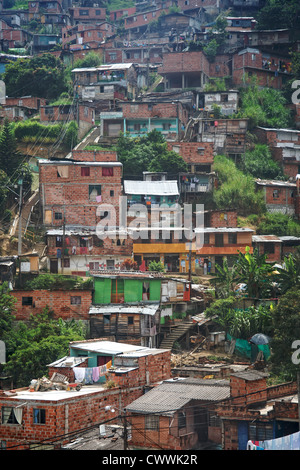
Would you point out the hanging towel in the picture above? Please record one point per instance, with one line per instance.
(79, 373)
(96, 374)
(88, 375)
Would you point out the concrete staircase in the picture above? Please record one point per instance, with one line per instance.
(177, 334)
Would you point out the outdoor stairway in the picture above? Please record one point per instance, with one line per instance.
(177, 333)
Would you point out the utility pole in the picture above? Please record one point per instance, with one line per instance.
(125, 432)
(63, 248)
(20, 183)
(298, 388)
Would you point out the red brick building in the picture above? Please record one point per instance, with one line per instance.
(21, 108)
(178, 415)
(199, 156)
(185, 70)
(83, 35)
(70, 191)
(280, 196)
(140, 117)
(271, 70)
(255, 411)
(285, 147)
(269, 245)
(87, 14)
(48, 419)
(65, 304)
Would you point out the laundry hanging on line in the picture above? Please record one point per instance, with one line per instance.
(90, 375)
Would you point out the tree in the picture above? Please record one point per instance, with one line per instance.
(255, 272)
(258, 162)
(286, 322)
(7, 310)
(148, 153)
(41, 342)
(236, 189)
(278, 14)
(289, 275)
(222, 312)
(263, 106)
(278, 224)
(42, 76)
(225, 279)
(10, 159)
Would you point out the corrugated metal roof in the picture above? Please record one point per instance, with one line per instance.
(222, 229)
(151, 188)
(266, 238)
(72, 162)
(131, 309)
(172, 395)
(107, 347)
(275, 183)
(104, 67)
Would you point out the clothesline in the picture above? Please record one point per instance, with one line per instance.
(90, 375)
(289, 442)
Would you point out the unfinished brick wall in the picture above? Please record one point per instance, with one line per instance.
(248, 391)
(70, 195)
(94, 155)
(178, 62)
(194, 152)
(59, 301)
(151, 369)
(154, 110)
(223, 219)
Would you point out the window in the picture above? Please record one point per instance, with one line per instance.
(137, 127)
(85, 171)
(84, 12)
(152, 422)
(260, 432)
(39, 416)
(107, 171)
(26, 300)
(130, 320)
(269, 248)
(58, 216)
(219, 239)
(206, 238)
(62, 171)
(166, 126)
(75, 300)
(110, 264)
(94, 266)
(11, 415)
(66, 262)
(276, 194)
(94, 192)
(111, 193)
(181, 420)
(232, 238)
(59, 241)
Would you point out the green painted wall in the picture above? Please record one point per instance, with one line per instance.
(133, 290)
(102, 294)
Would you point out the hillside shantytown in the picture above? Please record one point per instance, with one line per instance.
(149, 226)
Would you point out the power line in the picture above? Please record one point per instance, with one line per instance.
(55, 439)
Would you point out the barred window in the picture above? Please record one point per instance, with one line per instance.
(152, 422)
